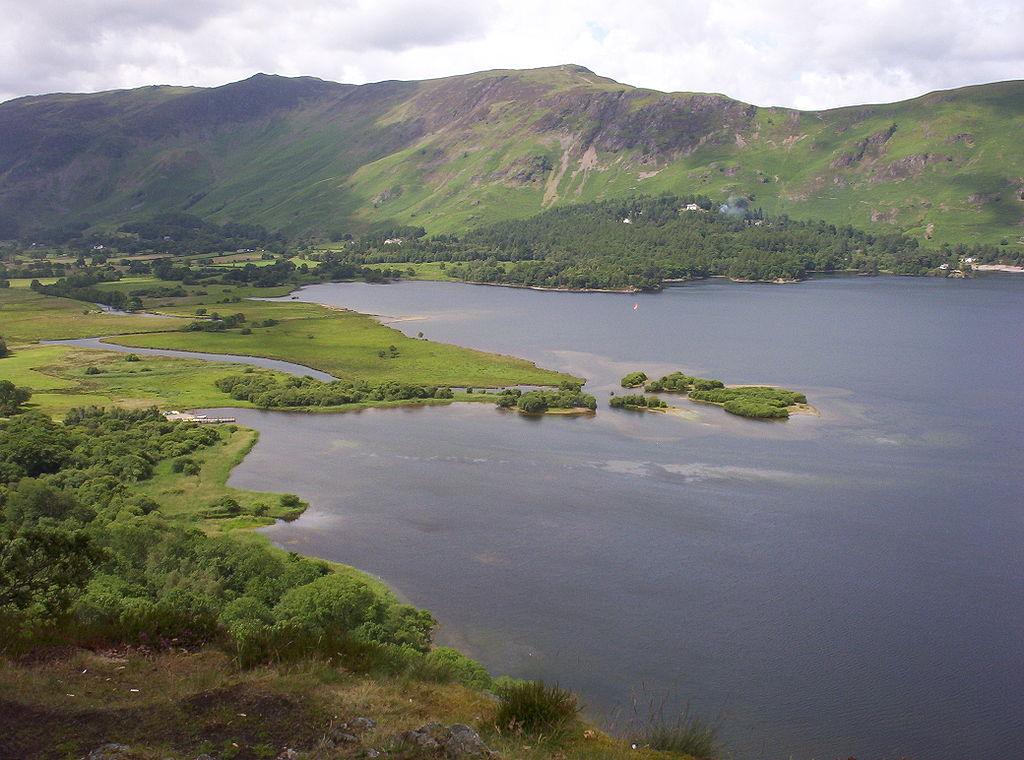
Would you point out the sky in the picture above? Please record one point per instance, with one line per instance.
(804, 54)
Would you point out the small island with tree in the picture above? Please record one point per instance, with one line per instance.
(753, 401)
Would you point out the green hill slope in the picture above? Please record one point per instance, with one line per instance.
(307, 156)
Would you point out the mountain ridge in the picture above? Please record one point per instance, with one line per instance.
(310, 156)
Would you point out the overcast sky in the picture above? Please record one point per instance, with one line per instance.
(804, 54)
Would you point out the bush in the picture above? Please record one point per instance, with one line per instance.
(90, 370)
(531, 707)
(447, 664)
(292, 503)
(186, 466)
(132, 358)
(3, 349)
(225, 506)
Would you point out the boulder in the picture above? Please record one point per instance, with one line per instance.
(463, 742)
(361, 724)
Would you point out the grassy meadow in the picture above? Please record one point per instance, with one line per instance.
(26, 317)
(347, 345)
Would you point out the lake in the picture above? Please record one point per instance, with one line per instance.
(847, 584)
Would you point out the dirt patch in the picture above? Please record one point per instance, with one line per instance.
(68, 707)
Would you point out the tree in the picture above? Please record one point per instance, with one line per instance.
(330, 603)
(12, 397)
(43, 569)
(33, 444)
(32, 500)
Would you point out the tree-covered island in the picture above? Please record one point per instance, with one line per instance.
(753, 401)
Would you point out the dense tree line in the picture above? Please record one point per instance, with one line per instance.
(82, 287)
(86, 558)
(636, 401)
(270, 391)
(677, 382)
(641, 242)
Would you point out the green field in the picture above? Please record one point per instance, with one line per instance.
(58, 380)
(346, 345)
(57, 377)
(26, 317)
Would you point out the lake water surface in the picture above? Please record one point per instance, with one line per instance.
(849, 584)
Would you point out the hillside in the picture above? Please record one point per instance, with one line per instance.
(308, 156)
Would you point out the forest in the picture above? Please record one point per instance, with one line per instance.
(642, 242)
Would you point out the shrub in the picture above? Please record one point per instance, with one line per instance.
(225, 506)
(447, 664)
(132, 358)
(186, 466)
(3, 349)
(90, 370)
(292, 503)
(533, 708)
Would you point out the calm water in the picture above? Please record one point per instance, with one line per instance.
(842, 585)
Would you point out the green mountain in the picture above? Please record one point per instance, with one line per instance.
(308, 156)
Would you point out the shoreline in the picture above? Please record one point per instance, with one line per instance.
(1009, 268)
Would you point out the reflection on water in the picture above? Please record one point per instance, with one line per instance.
(835, 586)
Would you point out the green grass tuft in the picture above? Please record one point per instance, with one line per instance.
(532, 707)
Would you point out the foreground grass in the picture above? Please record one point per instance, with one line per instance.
(179, 704)
(26, 317)
(348, 346)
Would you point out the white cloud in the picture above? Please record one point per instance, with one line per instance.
(809, 55)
